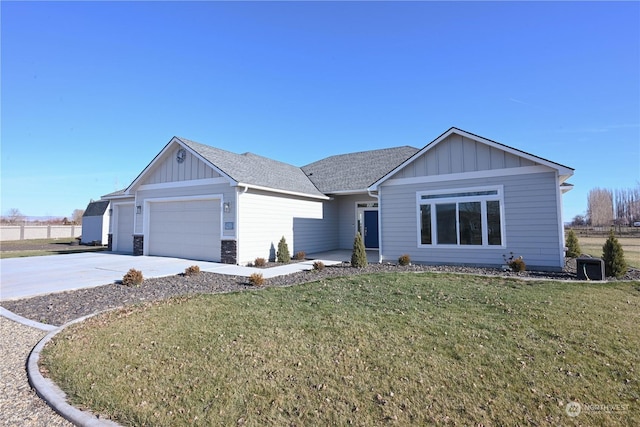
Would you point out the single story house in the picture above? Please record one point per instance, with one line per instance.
(95, 223)
(461, 200)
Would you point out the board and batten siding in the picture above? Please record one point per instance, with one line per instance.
(264, 218)
(169, 170)
(459, 154)
(530, 222)
(147, 193)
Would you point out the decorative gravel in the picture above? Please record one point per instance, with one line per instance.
(60, 308)
(19, 404)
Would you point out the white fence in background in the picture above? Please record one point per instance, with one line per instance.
(27, 232)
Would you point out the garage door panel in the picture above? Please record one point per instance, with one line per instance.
(185, 229)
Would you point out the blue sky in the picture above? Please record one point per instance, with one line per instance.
(92, 91)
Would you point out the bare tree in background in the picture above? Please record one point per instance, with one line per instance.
(15, 216)
(76, 216)
(600, 207)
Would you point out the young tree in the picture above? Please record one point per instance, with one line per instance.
(359, 254)
(283, 251)
(613, 257)
(573, 247)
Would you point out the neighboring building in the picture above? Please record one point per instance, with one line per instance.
(95, 223)
(462, 199)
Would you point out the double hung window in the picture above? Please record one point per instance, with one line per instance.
(470, 217)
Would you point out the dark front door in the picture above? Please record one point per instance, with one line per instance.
(370, 229)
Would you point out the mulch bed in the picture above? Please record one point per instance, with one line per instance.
(60, 308)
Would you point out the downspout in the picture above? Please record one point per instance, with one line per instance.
(377, 196)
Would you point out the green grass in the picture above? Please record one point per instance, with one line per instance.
(41, 247)
(630, 246)
(402, 349)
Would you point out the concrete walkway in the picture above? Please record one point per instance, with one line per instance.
(27, 277)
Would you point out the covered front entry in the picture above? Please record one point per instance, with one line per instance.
(184, 229)
(368, 224)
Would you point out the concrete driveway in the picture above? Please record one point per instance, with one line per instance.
(31, 276)
(26, 277)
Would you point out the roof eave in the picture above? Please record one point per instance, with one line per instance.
(281, 191)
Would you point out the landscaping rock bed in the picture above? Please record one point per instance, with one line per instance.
(59, 308)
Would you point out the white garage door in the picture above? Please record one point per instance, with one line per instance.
(185, 229)
(123, 238)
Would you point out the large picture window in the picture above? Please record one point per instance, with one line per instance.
(470, 217)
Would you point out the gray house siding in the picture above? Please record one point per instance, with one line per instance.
(169, 170)
(317, 235)
(530, 218)
(458, 154)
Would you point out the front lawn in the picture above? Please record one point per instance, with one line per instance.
(401, 349)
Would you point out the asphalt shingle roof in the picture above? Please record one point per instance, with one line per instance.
(355, 171)
(249, 168)
(96, 208)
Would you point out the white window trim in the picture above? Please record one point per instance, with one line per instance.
(480, 198)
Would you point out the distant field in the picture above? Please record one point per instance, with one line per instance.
(631, 246)
(39, 247)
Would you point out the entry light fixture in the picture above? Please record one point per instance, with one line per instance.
(227, 207)
(138, 209)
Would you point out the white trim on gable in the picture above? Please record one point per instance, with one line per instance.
(160, 156)
(468, 175)
(564, 172)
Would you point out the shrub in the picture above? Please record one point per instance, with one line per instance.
(300, 255)
(573, 247)
(133, 278)
(260, 262)
(613, 257)
(283, 251)
(193, 270)
(515, 264)
(359, 254)
(256, 279)
(318, 265)
(404, 259)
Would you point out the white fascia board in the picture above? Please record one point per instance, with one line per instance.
(275, 190)
(160, 156)
(349, 192)
(469, 175)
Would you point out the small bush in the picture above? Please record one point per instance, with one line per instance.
(613, 257)
(133, 278)
(300, 255)
(515, 264)
(573, 247)
(260, 262)
(283, 251)
(359, 254)
(404, 259)
(193, 270)
(256, 279)
(318, 265)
